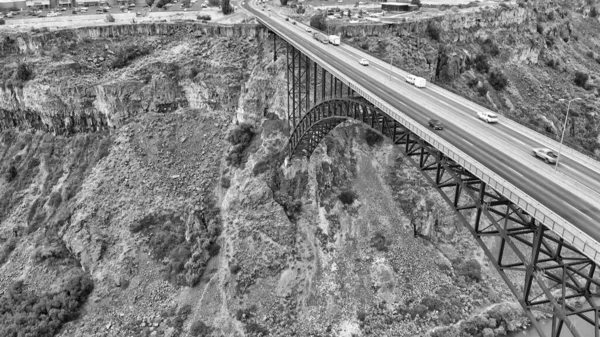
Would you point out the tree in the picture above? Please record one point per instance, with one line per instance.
(318, 22)
(226, 7)
(185, 3)
(23, 72)
(481, 63)
(149, 3)
(214, 3)
(109, 18)
(433, 31)
(283, 2)
(349, 13)
(497, 79)
(2, 21)
(416, 2)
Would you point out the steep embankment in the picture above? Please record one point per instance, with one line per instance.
(519, 60)
(174, 212)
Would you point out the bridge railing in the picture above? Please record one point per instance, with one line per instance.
(535, 132)
(551, 220)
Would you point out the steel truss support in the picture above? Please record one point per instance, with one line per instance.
(555, 278)
(545, 274)
(309, 85)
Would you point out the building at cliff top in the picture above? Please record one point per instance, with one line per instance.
(398, 7)
(12, 4)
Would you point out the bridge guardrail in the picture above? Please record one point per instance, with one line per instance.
(573, 150)
(530, 132)
(553, 221)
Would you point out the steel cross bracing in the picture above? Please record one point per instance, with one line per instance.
(307, 84)
(546, 274)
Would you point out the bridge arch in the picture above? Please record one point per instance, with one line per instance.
(329, 113)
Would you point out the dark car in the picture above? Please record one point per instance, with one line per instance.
(436, 124)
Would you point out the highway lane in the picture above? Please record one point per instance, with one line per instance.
(587, 176)
(577, 210)
(512, 142)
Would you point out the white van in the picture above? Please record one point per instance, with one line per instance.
(419, 82)
(487, 116)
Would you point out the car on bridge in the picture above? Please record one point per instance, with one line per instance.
(546, 154)
(487, 116)
(436, 124)
(364, 62)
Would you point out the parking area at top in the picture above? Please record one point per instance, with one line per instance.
(29, 13)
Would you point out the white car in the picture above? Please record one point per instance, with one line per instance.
(308, 30)
(364, 62)
(489, 117)
(546, 154)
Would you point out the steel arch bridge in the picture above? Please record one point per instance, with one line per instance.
(554, 277)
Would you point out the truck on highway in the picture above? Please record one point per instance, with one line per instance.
(417, 81)
(321, 37)
(334, 40)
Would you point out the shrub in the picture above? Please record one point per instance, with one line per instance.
(581, 79)
(347, 197)
(2, 22)
(301, 9)
(378, 242)
(11, 173)
(416, 2)
(7, 248)
(470, 269)
(193, 72)
(225, 182)
(200, 329)
(23, 72)
(433, 31)
(317, 21)
(283, 2)
(481, 63)
(54, 200)
(482, 90)
(204, 17)
(226, 7)
(490, 47)
(594, 12)
(240, 138)
(497, 79)
(235, 269)
(473, 82)
(254, 328)
(149, 3)
(214, 249)
(109, 18)
(24, 313)
(540, 28)
(553, 63)
(365, 45)
(372, 137)
(214, 3)
(361, 315)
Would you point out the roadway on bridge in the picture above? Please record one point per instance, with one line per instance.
(571, 193)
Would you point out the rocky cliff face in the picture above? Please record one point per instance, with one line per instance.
(184, 234)
(91, 100)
